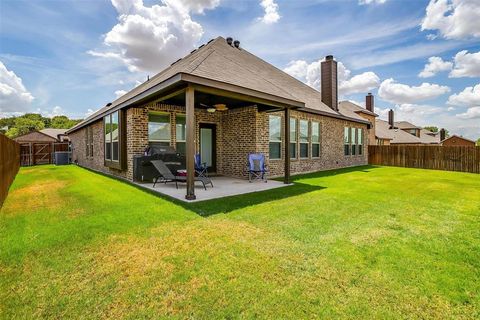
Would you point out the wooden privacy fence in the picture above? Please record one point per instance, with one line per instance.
(33, 153)
(466, 159)
(9, 164)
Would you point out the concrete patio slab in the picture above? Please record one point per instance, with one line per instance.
(222, 187)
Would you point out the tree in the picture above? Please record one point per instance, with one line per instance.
(63, 122)
(431, 128)
(478, 142)
(24, 125)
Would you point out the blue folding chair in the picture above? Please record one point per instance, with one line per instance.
(256, 167)
(200, 168)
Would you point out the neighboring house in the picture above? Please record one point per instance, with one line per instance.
(224, 102)
(44, 135)
(458, 141)
(59, 134)
(351, 109)
(391, 135)
(403, 133)
(38, 147)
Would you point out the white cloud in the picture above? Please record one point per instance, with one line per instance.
(271, 11)
(89, 113)
(57, 111)
(470, 96)
(359, 83)
(119, 93)
(14, 97)
(472, 113)
(434, 66)
(310, 74)
(399, 93)
(364, 2)
(151, 38)
(454, 19)
(466, 64)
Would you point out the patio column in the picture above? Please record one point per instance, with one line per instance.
(190, 143)
(286, 120)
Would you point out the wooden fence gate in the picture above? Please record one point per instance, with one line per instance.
(34, 153)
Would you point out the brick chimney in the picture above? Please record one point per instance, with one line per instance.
(442, 134)
(369, 102)
(329, 82)
(391, 121)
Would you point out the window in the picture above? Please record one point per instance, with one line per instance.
(275, 137)
(159, 128)
(303, 138)
(354, 140)
(346, 140)
(315, 139)
(360, 141)
(113, 129)
(413, 132)
(89, 142)
(180, 131)
(293, 138)
(108, 137)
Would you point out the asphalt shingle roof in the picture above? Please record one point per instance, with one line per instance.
(219, 61)
(397, 135)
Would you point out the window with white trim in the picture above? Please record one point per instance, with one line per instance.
(275, 137)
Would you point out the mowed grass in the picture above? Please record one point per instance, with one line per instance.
(368, 242)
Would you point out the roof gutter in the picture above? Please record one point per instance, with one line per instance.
(155, 89)
(336, 116)
(183, 77)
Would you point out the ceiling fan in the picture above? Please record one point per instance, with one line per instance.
(215, 107)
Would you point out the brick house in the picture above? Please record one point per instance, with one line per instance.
(224, 102)
(454, 141)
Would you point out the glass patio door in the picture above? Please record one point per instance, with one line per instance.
(207, 145)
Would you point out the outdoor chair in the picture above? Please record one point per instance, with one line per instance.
(256, 167)
(167, 176)
(200, 167)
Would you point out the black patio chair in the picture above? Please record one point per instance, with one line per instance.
(167, 176)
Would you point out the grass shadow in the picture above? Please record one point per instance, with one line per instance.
(228, 204)
(231, 203)
(334, 172)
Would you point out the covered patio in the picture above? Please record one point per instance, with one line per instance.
(200, 99)
(222, 187)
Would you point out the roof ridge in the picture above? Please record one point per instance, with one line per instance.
(261, 76)
(200, 62)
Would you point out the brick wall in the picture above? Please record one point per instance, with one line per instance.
(238, 132)
(371, 131)
(331, 145)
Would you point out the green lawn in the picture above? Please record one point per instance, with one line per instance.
(369, 242)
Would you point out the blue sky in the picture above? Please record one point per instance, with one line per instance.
(65, 57)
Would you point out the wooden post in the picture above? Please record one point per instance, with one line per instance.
(286, 120)
(190, 150)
